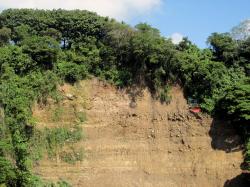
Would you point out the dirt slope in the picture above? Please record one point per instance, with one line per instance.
(144, 144)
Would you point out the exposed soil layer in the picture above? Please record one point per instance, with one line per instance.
(142, 143)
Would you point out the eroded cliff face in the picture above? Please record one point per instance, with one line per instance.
(142, 143)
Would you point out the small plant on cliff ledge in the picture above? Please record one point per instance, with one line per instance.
(52, 140)
(164, 95)
(81, 116)
(72, 156)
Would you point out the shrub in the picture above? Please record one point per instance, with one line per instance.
(71, 72)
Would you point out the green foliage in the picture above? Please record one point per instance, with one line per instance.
(7, 172)
(43, 84)
(72, 156)
(57, 137)
(205, 79)
(4, 36)
(224, 48)
(14, 57)
(164, 95)
(152, 54)
(71, 72)
(62, 183)
(236, 103)
(247, 154)
(43, 50)
(16, 99)
(17, 95)
(81, 116)
(244, 55)
(21, 32)
(71, 24)
(44, 183)
(53, 33)
(57, 114)
(53, 140)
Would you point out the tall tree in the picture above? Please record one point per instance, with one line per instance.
(224, 48)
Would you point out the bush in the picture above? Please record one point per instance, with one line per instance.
(7, 172)
(43, 50)
(71, 72)
(52, 140)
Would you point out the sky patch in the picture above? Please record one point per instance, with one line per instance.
(119, 9)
